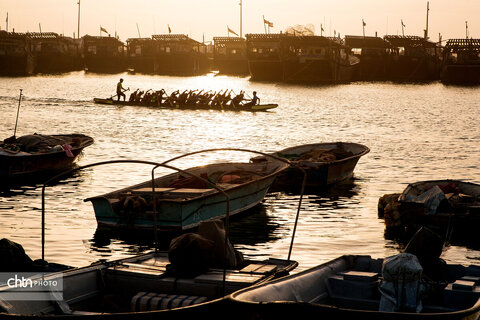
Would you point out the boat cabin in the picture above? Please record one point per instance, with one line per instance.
(230, 55)
(54, 53)
(16, 56)
(104, 54)
(373, 53)
(179, 54)
(461, 61)
(413, 58)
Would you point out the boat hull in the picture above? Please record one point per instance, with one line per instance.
(260, 107)
(319, 174)
(180, 212)
(310, 294)
(21, 166)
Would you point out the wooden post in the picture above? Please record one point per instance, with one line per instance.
(78, 26)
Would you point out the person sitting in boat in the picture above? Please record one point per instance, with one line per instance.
(171, 100)
(237, 99)
(147, 97)
(133, 96)
(120, 90)
(255, 100)
(138, 96)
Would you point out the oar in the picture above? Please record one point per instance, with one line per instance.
(18, 111)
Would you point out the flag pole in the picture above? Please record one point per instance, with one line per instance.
(241, 18)
(78, 26)
(18, 111)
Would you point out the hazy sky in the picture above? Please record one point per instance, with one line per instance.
(211, 17)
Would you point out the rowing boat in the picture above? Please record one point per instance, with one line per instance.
(34, 154)
(197, 106)
(182, 202)
(140, 287)
(361, 287)
(324, 163)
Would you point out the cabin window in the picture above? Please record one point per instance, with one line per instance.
(254, 50)
(357, 51)
(38, 47)
(233, 51)
(138, 50)
(401, 51)
(167, 49)
(260, 50)
(92, 49)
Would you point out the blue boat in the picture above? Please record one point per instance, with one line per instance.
(180, 202)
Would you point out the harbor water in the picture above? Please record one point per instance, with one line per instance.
(414, 131)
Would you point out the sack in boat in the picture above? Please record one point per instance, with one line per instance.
(223, 256)
(13, 257)
(190, 255)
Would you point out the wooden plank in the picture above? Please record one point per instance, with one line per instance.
(231, 278)
(258, 268)
(149, 190)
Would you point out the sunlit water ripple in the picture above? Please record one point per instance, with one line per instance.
(415, 132)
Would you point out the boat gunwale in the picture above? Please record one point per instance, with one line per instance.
(410, 187)
(88, 142)
(283, 166)
(362, 153)
(475, 308)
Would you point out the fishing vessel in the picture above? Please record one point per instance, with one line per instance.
(299, 58)
(230, 55)
(180, 202)
(324, 163)
(461, 62)
(26, 156)
(362, 287)
(103, 54)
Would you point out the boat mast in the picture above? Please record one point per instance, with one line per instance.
(426, 27)
(241, 18)
(78, 27)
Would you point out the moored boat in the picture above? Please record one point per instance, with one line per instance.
(324, 163)
(34, 154)
(461, 62)
(196, 106)
(141, 287)
(181, 202)
(361, 287)
(452, 207)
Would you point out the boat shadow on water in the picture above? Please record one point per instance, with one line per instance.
(253, 227)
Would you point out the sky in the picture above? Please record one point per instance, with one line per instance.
(208, 18)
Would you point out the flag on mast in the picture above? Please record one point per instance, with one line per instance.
(268, 23)
(102, 29)
(169, 30)
(231, 31)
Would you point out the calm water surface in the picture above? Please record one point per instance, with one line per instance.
(415, 132)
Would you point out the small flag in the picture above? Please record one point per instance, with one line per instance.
(169, 30)
(403, 25)
(268, 23)
(321, 28)
(363, 22)
(231, 31)
(102, 29)
(6, 20)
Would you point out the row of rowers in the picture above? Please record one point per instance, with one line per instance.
(187, 97)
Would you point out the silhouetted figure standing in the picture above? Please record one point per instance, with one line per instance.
(120, 90)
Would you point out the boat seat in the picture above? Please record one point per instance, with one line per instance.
(354, 289)
(149, 301)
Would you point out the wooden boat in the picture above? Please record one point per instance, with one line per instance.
(33, 154)
(351, 286)
(461, 62)
(140, 287)
(324, 163)
(242, 107)
(444, 205)
(183, 202)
